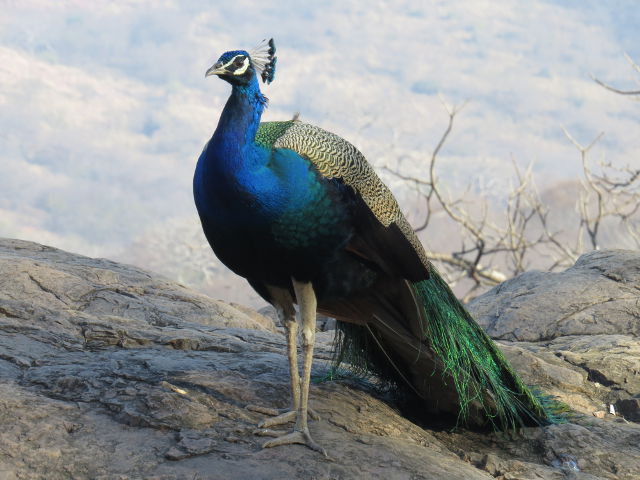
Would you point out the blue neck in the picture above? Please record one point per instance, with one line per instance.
(230, 165)
(240, 119)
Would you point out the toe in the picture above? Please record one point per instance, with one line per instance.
(263, 410)
(296, 437)
(279, 420)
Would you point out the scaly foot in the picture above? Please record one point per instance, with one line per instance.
(296, 437)
(284, 418)
(281, 419)
(280, 416)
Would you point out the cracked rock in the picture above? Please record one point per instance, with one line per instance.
(110, 372)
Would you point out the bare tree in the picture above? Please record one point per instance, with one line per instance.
(635, 93)
(484, 240)
(612, 193)
(496, 247)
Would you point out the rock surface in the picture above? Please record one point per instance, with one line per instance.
(109, 372)
(575, 333)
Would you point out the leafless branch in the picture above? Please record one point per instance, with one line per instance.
(614, 89)
(634, 65)
(495, 248)
(483, 239)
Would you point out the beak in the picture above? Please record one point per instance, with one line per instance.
(216, 69)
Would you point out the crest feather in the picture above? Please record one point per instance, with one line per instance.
(264, 60)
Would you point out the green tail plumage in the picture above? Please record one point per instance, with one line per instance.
(474, 361)
(469, 365)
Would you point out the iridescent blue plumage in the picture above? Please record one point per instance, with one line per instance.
(264, 210)
(302, 216)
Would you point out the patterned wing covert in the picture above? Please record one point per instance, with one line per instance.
(269, 132)
(334, 157)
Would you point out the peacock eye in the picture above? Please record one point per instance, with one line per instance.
(239, 62)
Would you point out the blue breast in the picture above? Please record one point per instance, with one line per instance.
(270, 216)
(267, 213)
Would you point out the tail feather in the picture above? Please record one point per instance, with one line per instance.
(475, 363)
(430, 346)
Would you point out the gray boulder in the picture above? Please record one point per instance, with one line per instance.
(110, 372)
(575, 332)
(597, 296)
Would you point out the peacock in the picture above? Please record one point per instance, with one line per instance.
(300, 213)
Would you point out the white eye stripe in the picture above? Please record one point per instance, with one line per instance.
(240, 70)
(243, 68)
(230, 61)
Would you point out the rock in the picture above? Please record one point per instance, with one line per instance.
(580, 328)
(191, 444)
(43, 282)
(629, 408)
(110, 372)
(597, 296)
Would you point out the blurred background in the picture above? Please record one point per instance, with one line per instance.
(104, 110)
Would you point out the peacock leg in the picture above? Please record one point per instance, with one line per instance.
(307, 302)
(287, 316)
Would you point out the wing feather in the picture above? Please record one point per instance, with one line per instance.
(385, 235)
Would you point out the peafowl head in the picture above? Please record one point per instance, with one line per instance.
(238, 67)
